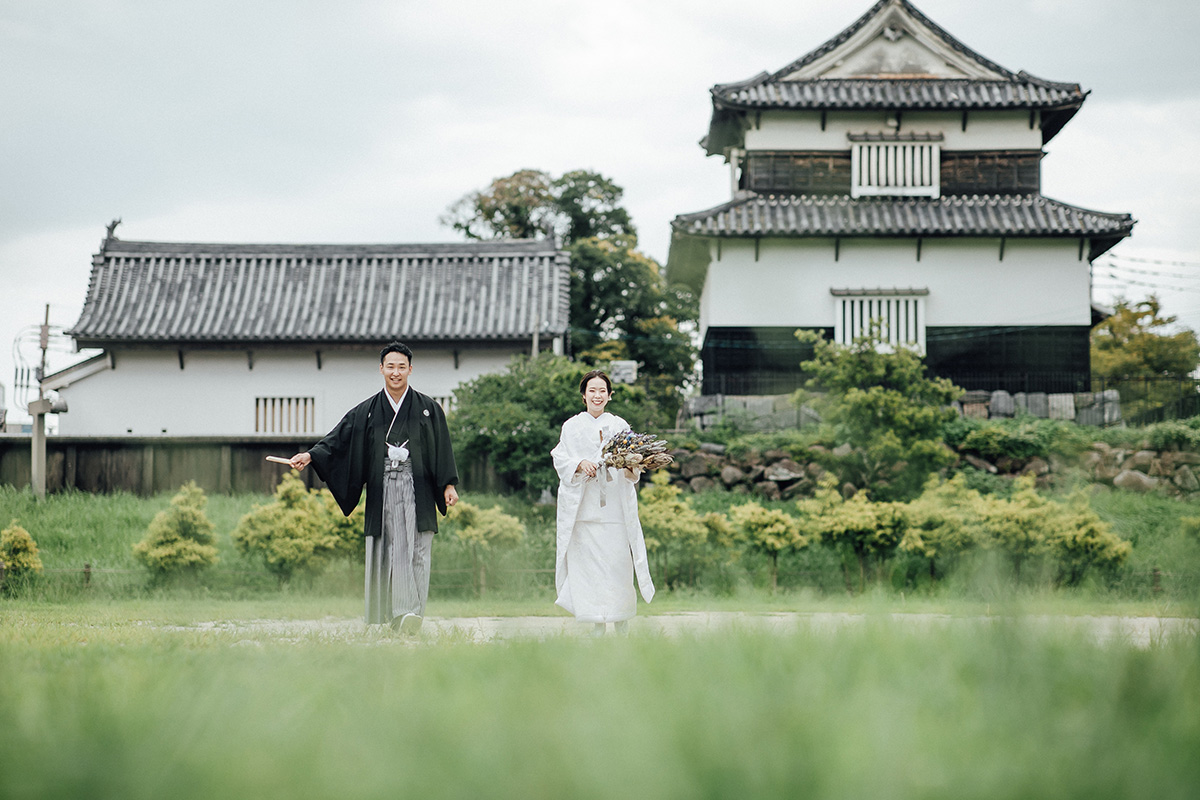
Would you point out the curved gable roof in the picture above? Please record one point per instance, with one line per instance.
(892, 58)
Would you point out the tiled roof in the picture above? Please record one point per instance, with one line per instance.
(907, 94)
(234, 293)
(988, 215)
(1003, 89)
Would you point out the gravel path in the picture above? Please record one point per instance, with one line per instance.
(1139, 631)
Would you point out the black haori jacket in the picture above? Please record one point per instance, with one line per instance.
(351, 456)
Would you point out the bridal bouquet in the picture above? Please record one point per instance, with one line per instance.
(629, 450)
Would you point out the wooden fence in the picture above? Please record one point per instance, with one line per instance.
(149, 465)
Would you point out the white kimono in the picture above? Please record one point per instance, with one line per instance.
(599, 547)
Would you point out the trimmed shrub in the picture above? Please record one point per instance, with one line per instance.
(19, 552)
(769, 531)
(292, 535)
(179, 539)
(675, 533)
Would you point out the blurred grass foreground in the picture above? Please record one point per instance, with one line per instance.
(95, 703)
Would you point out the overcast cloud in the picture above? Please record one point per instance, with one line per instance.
(361, 120)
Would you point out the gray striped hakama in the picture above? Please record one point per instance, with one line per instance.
(397, 564)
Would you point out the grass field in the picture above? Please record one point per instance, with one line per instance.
(128, 700)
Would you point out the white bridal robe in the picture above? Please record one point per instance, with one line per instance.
(600, 548)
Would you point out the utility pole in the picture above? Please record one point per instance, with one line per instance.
(38, 410)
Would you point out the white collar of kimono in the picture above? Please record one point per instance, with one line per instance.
(395, 403)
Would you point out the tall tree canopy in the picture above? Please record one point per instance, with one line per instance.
(621, 305)
(1135, 343)
(529, 204)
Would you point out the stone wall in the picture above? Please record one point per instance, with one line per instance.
(776, 475)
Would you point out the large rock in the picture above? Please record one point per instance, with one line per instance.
(843, 450)
(712, 449)
(1134, 481)
(1036, 466)
(692, 465)
(1185, 479)
(1107, 472)
(1001, 404)
(1039, 404)
(979, 463)
(1185, 457)
(731, 475)
(1142, 461)
(1021, 401)
(1062, 406)
(784, 471)
(700, 483)
(768, 490)
(801, 487)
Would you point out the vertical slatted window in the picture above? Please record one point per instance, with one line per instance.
(285, 415)
(901, 320)
(908, 169)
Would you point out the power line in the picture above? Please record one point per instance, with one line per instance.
(1173, 275)
(1160, 262)
(1131, 282)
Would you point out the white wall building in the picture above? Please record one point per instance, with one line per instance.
(893, 174)
(243, 340)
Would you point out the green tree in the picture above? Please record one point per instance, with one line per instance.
(620, 303)
(880, 401)
(769, 531)
(293, 534)
(512, 419)
(180, 539)
(1134, 351)
(518, 206)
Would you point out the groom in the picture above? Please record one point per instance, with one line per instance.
(396, 444)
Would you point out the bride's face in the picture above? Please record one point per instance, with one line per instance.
(596, 396)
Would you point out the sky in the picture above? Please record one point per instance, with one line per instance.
(363, 120)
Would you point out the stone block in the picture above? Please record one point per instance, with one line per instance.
(1062, 406)
(1039, 404)
(1091, 415)
(1110, 401)
(975, 410)
(1021, 402)
(1001, 404)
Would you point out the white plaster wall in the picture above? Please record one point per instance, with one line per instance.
(147, 394)
(801, 130)
(1039, 282)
